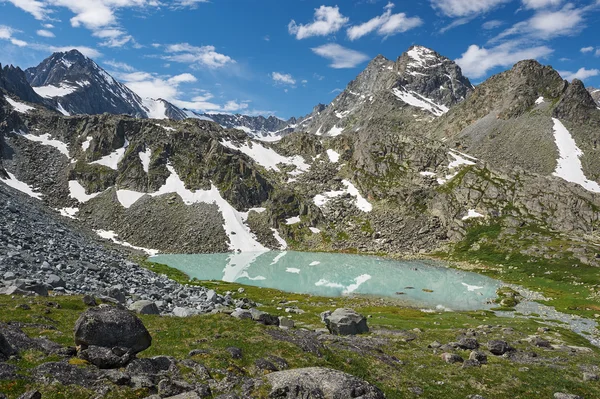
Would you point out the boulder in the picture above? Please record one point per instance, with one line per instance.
(561, 395)
(479, 356)
(106, 358)
(110, 327)
(144, 307)
(31, 395)
(286, 322)
(499, 347)
(319, 382)
(468, 343)
(55, 281)
(6, 349)
(451, 358)
(346, 322)
(264, 318)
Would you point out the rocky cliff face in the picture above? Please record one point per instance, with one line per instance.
(418, 87)
(595, 93)
(259, 127)
(14, 82)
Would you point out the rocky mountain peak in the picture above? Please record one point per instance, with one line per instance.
(576, 103)
(13, 81)
(595, 93)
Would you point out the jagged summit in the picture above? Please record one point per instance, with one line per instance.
(595, 93)
(14, 82)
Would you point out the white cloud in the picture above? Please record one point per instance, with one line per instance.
(587, 49)
(477, 61)
(6, 33)
(119, 65)
(492, 24)
(457, 22)
(48, 26)
(464, 8)
(597, 53)
(189, 3)
(283, 78)
(327, 20)
(205, 55)
(537, 4)
(149, 85)
(549, 24)
(340, 57)
(45, 33)
(581, 74)
(386, 25)
(34, 7)
(87, 51)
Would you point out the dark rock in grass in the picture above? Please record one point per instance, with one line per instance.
(590, 377)
(281, 363)
(8, 372)
(346, 322)
(117, 377)
(265, 365)
(416, 390)
(196, 352)
(31, 395)
(144, 307)
(499, 347)
(540, 342)
(318, 382)
(153, 366)
(110, 327)
(475, 397)
(168, 388)
(199, 371)
(264, 318)
(468, 343)
(89, 300)
(471, 363)
(479, 356)
(19, 341)
(451, 358)
(6, 349)
(236, 353)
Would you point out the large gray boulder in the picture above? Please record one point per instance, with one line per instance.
(320, 383)
(110, 327)
(346, 322)
(144, 307)
(6, 349)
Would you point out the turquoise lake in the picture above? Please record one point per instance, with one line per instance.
(334, 275)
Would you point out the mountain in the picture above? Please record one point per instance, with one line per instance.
(595, 93)
(14, 82)
(258, 127)
(419, 86)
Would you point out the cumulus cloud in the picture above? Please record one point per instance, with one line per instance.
(196, 56)
(6, 33)
(149, 85)
(536, 4)
(465, 8)
(327, 20)
(587, 49)
(36, 8)
(340, 57)
(283, 78)
(386, 24)
(567, 21)
(45, 33)
(581, 74)
(477, 61)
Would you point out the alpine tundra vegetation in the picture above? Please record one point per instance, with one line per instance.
(430, 230)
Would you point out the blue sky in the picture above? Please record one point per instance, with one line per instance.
(283, 57)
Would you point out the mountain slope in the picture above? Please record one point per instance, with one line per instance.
(419, 86)
(13, 80)
(595, 93)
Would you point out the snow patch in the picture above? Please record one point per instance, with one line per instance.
(315, 263)
(77, 191)
(292, 220)
(341, 114)
(268, 158)
(539, 100)
(45, 139)
(111, 235)
(69, 212)
(63, 111)
(358, 281)
(112, 160)
(282, 243)
(472, 287)
(417, 100)
(23, 187)
(278, 257)
(361, 202)
(128, 197)
(471, 214)
(145, 158)
(155, 109)
(240, 236)
(19, 106)
(334, 157)
(54, 91)
(334, 131)
(86, 144)
(569, 165)
(314, 230)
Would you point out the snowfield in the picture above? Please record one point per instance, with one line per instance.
(23, 187)
(419, 101)
(19, 106)
(568, 165)
(267, 157)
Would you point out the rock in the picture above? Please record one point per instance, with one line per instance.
(468, 343)
(479, 356)
(475, 397)
(144, 307)
(324, 315)
(211, 296)
(560, 395)
(64, 373)
(168, 388)
(286, 322)
(434, 345)
(153, 366)
(109, 327)
(55, 281)
(265, 365)
(346, 322)
(31, 395)
(499, 347)
(236, 353)
(184, 312)
(116, 293)
(6, 349)
(106, 358)
(117, 377)
(241, 314)
(318, 382)
(451, 358)
(590, 377)
(540, 342)
(416, 390)
(187, 395)
(89, 300)
(264, 318)
(471, 363)
(196, 352)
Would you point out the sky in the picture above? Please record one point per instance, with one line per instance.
(282, 57)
